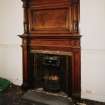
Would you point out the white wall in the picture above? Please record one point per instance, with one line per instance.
(92, 24)
(11, 20)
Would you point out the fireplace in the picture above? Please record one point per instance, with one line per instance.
(51, 71)
(51, 46)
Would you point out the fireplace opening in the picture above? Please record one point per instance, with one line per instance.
(51, 72)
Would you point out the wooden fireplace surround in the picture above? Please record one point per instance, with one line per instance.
(52, 25)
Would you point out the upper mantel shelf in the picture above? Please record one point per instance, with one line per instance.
(51, 18)
(49, 2)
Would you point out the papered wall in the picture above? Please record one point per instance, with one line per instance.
(92, 29)
(11, 24)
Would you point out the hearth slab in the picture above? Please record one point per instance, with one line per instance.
(46, 99)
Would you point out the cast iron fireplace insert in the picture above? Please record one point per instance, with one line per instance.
(51, 71)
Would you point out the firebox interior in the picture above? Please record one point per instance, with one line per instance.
(52, 72)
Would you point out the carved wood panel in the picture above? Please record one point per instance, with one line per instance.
(56, 43)
(49, 20)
